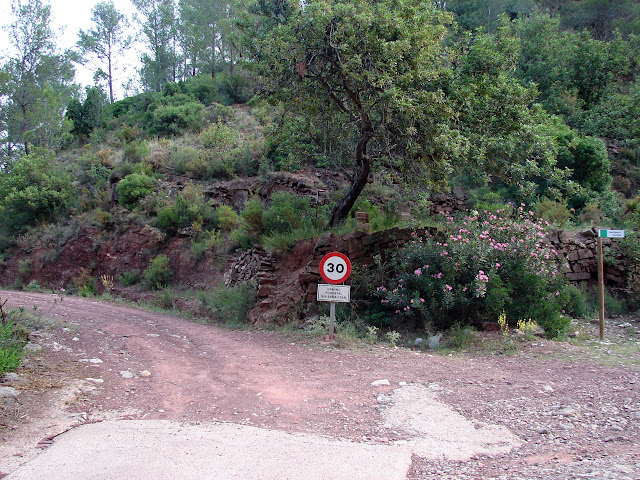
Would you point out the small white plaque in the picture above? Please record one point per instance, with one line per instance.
(334, 293)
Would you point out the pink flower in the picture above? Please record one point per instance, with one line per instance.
(449, 287)
(418, 272)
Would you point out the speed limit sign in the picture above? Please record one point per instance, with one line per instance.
(335, 268)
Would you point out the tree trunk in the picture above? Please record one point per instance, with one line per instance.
(110, 79)
(213, 57)
(345, 204)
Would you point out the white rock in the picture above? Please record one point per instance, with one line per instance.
(8, 393)
(32, 347)
(548, 388)
(380, 383)
(126, 374)
(95, 361)
(567, 412)
(145, 373)
(434, 341)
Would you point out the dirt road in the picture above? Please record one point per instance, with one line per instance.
(546, 413)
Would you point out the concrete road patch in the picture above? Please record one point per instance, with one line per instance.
(439, 431)
(161, 449)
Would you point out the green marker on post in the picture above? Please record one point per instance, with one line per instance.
(611, 233)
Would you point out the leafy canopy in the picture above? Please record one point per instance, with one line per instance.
(373, 67)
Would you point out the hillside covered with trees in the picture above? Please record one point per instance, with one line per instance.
(525, 105)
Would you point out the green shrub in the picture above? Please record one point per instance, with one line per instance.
(588, 159)
(34, 189)
(228, 219)
(132, 188)
(461, 335)
(221, 113)
(84, 283)
(25, 267)
(181, 157)
(189, 207)
(287, 212)
(130, 278)
(219, 137)
(236, 87)
(13, 338)
(175, 115)
(158, 274)
(481, 265)
(591, 214)
(202, 87)
(555, 325)
(136, 152)
(577, 301)
(555, 212)
(490, 201)
(198, 249)
(252, 217)
(630, 247)
(208, 241)
(230, 305)
(166, 299)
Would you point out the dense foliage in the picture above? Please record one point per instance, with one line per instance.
(35, 188)
(483, 265)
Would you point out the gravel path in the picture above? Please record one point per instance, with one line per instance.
(551, 411)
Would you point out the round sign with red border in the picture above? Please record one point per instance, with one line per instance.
(335, 268)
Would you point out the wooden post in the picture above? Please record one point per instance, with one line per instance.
(601, 287)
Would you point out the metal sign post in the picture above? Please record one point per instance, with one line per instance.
(603, 234)
(335, 268)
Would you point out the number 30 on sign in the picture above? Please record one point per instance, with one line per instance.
(335, 268)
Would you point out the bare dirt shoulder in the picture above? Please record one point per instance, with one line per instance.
(573, 416)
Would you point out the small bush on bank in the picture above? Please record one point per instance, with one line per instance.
(228, 219)
(577, 304)
(189, 207)
(13, 337)
(134, 187)
(230, 305)
(130, 278)
(158, 274)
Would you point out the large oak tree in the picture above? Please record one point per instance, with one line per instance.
(376, 67)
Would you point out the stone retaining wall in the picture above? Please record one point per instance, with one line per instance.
(279, 294)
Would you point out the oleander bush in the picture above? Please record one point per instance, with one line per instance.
(482, 266)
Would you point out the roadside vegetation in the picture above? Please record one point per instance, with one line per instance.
(13, 337)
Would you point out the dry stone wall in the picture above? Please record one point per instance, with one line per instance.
(277, 303)
(579, 249)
